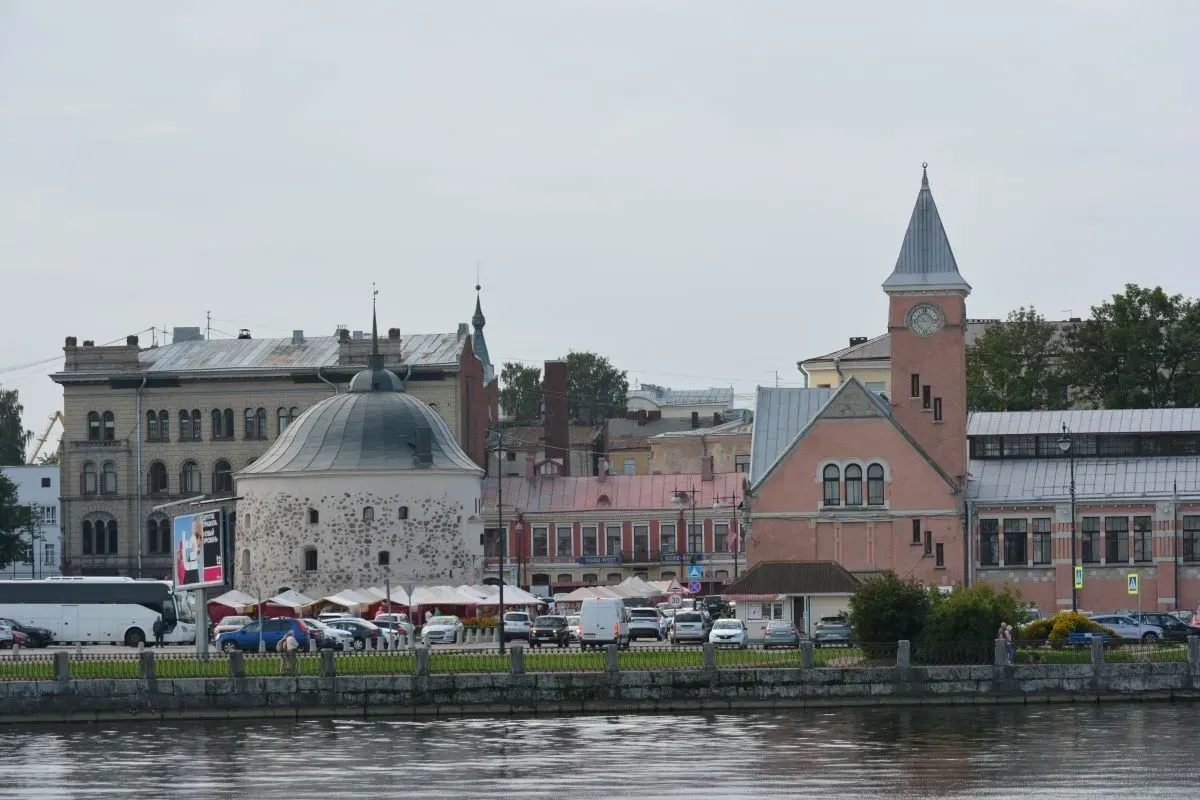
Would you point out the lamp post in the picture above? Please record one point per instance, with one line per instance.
(519, 528)
(503, 536)
(1064, 444)
(678, 501)
(731, 502)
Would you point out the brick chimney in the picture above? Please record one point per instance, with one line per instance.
(706, 468)
(603, 473)
(641, 416)
(530, 464)
(554, 390)
(695, 420)
(717, 418)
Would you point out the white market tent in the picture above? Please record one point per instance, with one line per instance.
(291, 599)
(514, 597)
(426, 596)
(351, 599)
(585, 592)
(238, 601)
(399, 596)
(642, 588)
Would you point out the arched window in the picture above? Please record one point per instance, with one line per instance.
(368, 514)
(831, 476)
(100, 539)
(112, 537)
(565, 577)
(314, 516)
(196, 426)
(93, 432)
(245, 562)
(185, 425)
(152, 535)
(164, 535)
(248, 433)
(228, 433)
(310, 559)
(110, 426)
(668, 575)
(108, 478)
(282, 417)
(217, 429)
(89, 478)
(293, 412)
(158, 478)
(403, 512)
(854, 485)
(189, 478)
(164, 426)
(261, 417)
(875, 485)
(589, 577)
(152, 426)
(613, 577)
(222, 480)
(87, 537)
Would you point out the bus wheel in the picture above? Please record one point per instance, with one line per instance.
(134, 637)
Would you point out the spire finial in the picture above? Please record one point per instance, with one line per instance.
(478, 319)
(924, 174)
(376, 360)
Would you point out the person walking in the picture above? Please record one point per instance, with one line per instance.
(1008, 643)
(158, 631)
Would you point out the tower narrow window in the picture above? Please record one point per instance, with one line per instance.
(937, 409)
(314, 516)
(310, 559)
(368, 514)
(403, 512)
(916, 531)
(926, 396)
(916, 385)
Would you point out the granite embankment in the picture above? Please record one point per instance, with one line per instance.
(711, 686)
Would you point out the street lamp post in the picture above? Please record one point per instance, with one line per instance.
(519, 528)
(1064, 444)
(731, 502)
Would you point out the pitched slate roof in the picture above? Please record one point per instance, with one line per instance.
(926, 260)
(779, 417)
(1027, 480)
(794, 577)
(737, 427)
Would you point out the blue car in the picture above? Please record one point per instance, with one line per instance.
(273, 631)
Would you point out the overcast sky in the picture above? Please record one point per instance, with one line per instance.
(705, 192)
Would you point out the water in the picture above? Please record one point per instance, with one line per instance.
(1124, 750)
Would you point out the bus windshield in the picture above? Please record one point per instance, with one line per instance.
(183, 609)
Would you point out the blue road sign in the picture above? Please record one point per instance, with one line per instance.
(695, 573)
(694, 587)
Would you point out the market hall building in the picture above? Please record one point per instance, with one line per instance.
(914, 484)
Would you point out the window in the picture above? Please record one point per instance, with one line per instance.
(245, 562)
(164, 535)
(695, 538)
(49, 557)
(612, 540)
(45, 483)
(854, 496)
(1042, 540)
(720, 537)
(833, 485)
(87, 537)
(989, 542)
(152, 426)
(108, 478)
(928, 543)
(90, 485)
(667, 575)
(368, 514)
(293, 414)
(1117, 446)
(164, 426)
(218, 429)
(915, 383)
(666, 538)
(613, 577)
(248, 432)
(93, 430)
(260, 417)
(988, 447)
(152, 536)
(510, 456)
(875, 485)
(1185, 445)
(281, 417)
(49, 515)
(761, 611)
(721, 576)
(589, 577)
(926, 397)
(641, 542)
(310, 559)
(189, 478)
(112, 537)
(1091, 540)
(1143, 539)
(100, 539)
(402, 513)
(158, 478)
(1083, 445)
(1016, 541)
(589, 541)
(110, 426)
(564, 577)
(1191, 538)
(1047, 447)
(314, 516)
(941, 555)
(629, 467)
(1116, 539)
(741, 463)
(562, 544)
(1020, 446)
(916, 531)
(937, 409)
(222, 481)
(541, 541)
(185, 425)
(226, 424)
(197, 427)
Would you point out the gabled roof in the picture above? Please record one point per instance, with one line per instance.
(713, 396)
(779, 417)
(794, 577)
(926, 260)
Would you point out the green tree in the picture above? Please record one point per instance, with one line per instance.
(596, 390)
(14, 439)
(521, 390)
(51, 458)
(14, 520)
(888, 609)
(1139, 350)
(972, 614)
(1014, 366)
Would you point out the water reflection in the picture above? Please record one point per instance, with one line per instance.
(951, 752)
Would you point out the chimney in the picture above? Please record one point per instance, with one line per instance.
(695, 420)
(394, 334)
(641, 416)
(603, 469)
(717, 418)
(297, 337)
(343, 335)
(530, 465)
(558, 439)
(424, 456)
(131, 341)
(857, 340)
(72, 341)
(88, 343)
(706, 468)
(244, 333)
(463, 331)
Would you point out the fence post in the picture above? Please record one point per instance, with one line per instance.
(1194, 652)
(710, 656)
(328, 664)
(62, 666)
(1097, 651)
(904, 653)
(516, 660)
(806, 654)
(612, 658)
(421, 667)
(237, 664)
(146, 670)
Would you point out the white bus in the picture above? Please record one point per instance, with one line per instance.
(99, 610)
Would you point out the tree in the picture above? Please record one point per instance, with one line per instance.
(1014, 366)
(972, 615)
(14, 439)
(521, 392)
(887, 609)
(14, 520)
(1139, 350)
(596, 390)
(46, 459)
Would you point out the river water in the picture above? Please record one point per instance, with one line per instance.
(1048, 751)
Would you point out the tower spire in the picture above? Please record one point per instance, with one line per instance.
(926, 261)
(376, 360)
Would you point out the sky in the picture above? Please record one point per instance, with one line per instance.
(705, 192)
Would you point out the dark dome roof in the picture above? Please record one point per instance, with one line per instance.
(364, 430)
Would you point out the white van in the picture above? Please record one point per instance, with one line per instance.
(603, 621)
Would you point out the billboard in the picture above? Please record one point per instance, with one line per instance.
(196, 544)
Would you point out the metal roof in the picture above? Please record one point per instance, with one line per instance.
(1049, 479)
(712, 396)
(623, 492)
(735, 428)
(420, 350)
(926, 259)
(794, 577)
(780, 416)
(880, 348)
(1149, 420)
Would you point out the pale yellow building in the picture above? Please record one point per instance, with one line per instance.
(683, 452)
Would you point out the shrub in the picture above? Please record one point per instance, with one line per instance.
(481, 622)
(888, 609)
(1058, 629)
(1036, 631)
(971, 614)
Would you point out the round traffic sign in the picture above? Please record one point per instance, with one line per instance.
(675, 600)
(694, 587)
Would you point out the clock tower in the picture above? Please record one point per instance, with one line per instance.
(927, 314)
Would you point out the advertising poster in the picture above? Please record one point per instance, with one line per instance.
(197, 550)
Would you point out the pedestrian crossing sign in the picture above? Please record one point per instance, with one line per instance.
(1133, 582)
(1079, 577)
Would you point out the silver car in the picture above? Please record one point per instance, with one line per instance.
(1128, 628)
(833, 632)
(690, 626)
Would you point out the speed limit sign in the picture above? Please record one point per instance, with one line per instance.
(675, 600)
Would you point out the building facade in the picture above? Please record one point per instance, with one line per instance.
(147, 427)
(513, 446)
(37, 488)
(680, 403)
(682, 452)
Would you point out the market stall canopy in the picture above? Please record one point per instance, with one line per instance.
(350, 598)
(291, 599)
(399, 596)
(425, 596)
(642, 588)
(238, 601)
(514, 596)
(586, 592)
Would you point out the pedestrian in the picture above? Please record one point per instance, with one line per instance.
(158, 631)
(1009, 645)
(428, 616)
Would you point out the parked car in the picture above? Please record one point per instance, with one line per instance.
(327, 637)
(442, 630)
(246, 638)
(1172, 629)
(400, 623)
(603, 621)
(832, 631)
(34, 636)
(550, 629)
(1128, 628)
(729, 633)
(401, 632)
(517, 625)
(365, 635)
(573, 627)
(689, 626)
(647, 623)
(326, 616)
(232, 623)
(715, 605)
(780, 634)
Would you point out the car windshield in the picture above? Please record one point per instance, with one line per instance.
(441, 622)
(832, 621)
(516, 616)
(688, 617)
(573, 620)
(643, 613)
(727, 623)
(550, 622)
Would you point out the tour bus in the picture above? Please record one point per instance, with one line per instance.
(86, 610)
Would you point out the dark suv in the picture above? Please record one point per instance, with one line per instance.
(715, 606)
(1172, 629)
(549, 630)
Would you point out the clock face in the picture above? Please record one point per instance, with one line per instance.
(925, 319)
